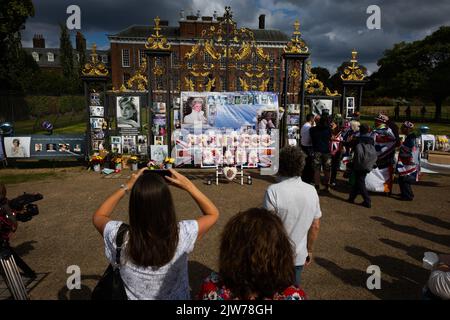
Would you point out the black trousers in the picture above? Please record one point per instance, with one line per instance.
(405, 187)
(360, 187)
(308, 171)
(335, 163)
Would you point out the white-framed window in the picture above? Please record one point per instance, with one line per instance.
(104, 58)
(142, 56)
(35, 56)
(50, 57)
(125, 57)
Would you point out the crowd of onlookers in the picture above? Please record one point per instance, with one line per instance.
(263, 251)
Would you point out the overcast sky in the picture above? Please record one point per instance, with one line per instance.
(331, 28)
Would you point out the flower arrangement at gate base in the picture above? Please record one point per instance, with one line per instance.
(133, 160)
(96, 159)
(168, 162)
(95, 162)
(117, 161)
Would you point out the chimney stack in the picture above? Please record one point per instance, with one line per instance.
(262, 21)
(38, 41)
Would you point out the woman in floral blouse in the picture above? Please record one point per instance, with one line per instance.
(256, 259)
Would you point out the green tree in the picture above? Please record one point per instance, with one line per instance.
(322, 74)
(417, 69)
(66, 52)
(13, 60)
(336, 81)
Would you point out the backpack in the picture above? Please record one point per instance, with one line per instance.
(365, 157)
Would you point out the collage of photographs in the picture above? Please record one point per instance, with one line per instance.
(227, 110)
(26, 147)
(129, 144)
(97, 121)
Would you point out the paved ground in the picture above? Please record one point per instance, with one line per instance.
(393, 235)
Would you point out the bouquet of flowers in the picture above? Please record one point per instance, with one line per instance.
(168, 162)
(96, 159)
(133, 160)
(117, 159)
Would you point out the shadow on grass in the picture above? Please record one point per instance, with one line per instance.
(427, 219)
(406, 281)
(442, 239)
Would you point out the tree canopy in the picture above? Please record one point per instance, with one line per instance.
(14, 62)
(419, 68)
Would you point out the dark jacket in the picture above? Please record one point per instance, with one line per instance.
(365, 156)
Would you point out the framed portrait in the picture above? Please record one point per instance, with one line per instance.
(158, 140)
(128, 112)
(321, 106)
(63, 147)
(17, 147)
(142, 144)
(77, 148)
(194, 111)
(38, 147)
(94, 99)
(294, 119)
(116, 139)
(96, 123)
(349, 106)
(97, 111)
(158, 153)
(266, 120)
(116, 147)
(129, 144)
(51, 147)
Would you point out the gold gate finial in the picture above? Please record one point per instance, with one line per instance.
(296, 44)
(157, 41)
(94, 67)
(353, 72)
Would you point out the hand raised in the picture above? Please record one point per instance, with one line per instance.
(180, 181)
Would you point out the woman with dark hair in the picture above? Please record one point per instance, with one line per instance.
(256, 259)
(156, 247)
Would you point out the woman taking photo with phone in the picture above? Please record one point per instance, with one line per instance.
(154, 258)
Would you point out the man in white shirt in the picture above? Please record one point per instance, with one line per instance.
(439, 282)
(297, 204)
(306, 144)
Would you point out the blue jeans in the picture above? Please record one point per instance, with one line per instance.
(298, 275)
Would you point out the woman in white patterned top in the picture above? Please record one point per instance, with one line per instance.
(154, 257)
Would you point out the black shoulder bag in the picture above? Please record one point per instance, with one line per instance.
(110, 286)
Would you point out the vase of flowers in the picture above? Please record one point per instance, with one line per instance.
(168, 162)
(96, 162)
(117, 161)
(133, 161)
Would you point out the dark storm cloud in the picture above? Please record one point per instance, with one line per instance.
(331, 28)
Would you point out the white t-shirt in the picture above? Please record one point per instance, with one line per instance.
(170, 282)
(297, 204)
(305, 136)
(439, 284)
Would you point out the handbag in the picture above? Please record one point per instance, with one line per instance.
(110, 286)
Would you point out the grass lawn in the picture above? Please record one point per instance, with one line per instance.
(26, 177)
(435, 128)
(63, 124)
